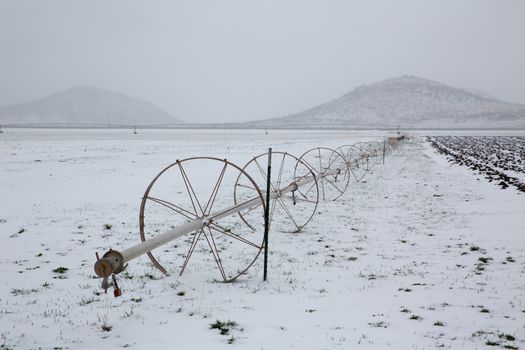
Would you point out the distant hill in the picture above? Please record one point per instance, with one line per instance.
(86, 105)
(408, 101)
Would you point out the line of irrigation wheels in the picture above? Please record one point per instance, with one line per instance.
(182, 201)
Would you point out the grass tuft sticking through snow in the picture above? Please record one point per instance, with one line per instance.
(224, 327)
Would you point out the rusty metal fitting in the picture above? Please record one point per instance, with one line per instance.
(112, 262)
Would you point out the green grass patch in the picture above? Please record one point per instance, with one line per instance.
(224, 327)
(508, 337)
(491, 343)
(484, 259)
(60, 270)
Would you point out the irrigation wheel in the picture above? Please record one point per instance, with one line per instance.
(367, 154)
(358, 165)
(295, 207)
(199, 188)
(331, 170)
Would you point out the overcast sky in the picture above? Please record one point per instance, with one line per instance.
(215, 61)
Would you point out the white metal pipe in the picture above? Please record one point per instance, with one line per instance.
(155, 242)
(114, 261)
(196, 224)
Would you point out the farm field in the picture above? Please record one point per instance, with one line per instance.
(499, 159)
(421, 253)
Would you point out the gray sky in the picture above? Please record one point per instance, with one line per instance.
(215, 61)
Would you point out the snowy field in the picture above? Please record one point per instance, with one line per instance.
(420, 254)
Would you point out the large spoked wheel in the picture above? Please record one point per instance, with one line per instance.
(199, 189)
(294, 207)
(366, 154)
(360, 162)
(357, 164)
(375, 152)
(393, 145)
(331, 170)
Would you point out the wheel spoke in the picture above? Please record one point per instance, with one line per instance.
(289, 214)
(246, 186)
(312, 168)
(353, 174)
(278, 186)
(304, 195)
(186, 213)
(193, 244)
(331, 183)
(299, 199)
(320, 172)
(280, 174)
(215, 252)
(273, 206)
(233, 235)
(320, 162)
(261, 170)
(332, 160)
(252, 209)
(213, 195)
(263, 174)
(190, 190)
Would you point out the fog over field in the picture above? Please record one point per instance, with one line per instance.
(238, 61)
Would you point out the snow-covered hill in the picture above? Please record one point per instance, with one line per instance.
(86, 105)
(410, 101)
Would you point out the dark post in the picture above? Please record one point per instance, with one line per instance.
(384, 149)
(267, 214)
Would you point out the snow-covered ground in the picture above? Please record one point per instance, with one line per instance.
(420, 254)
